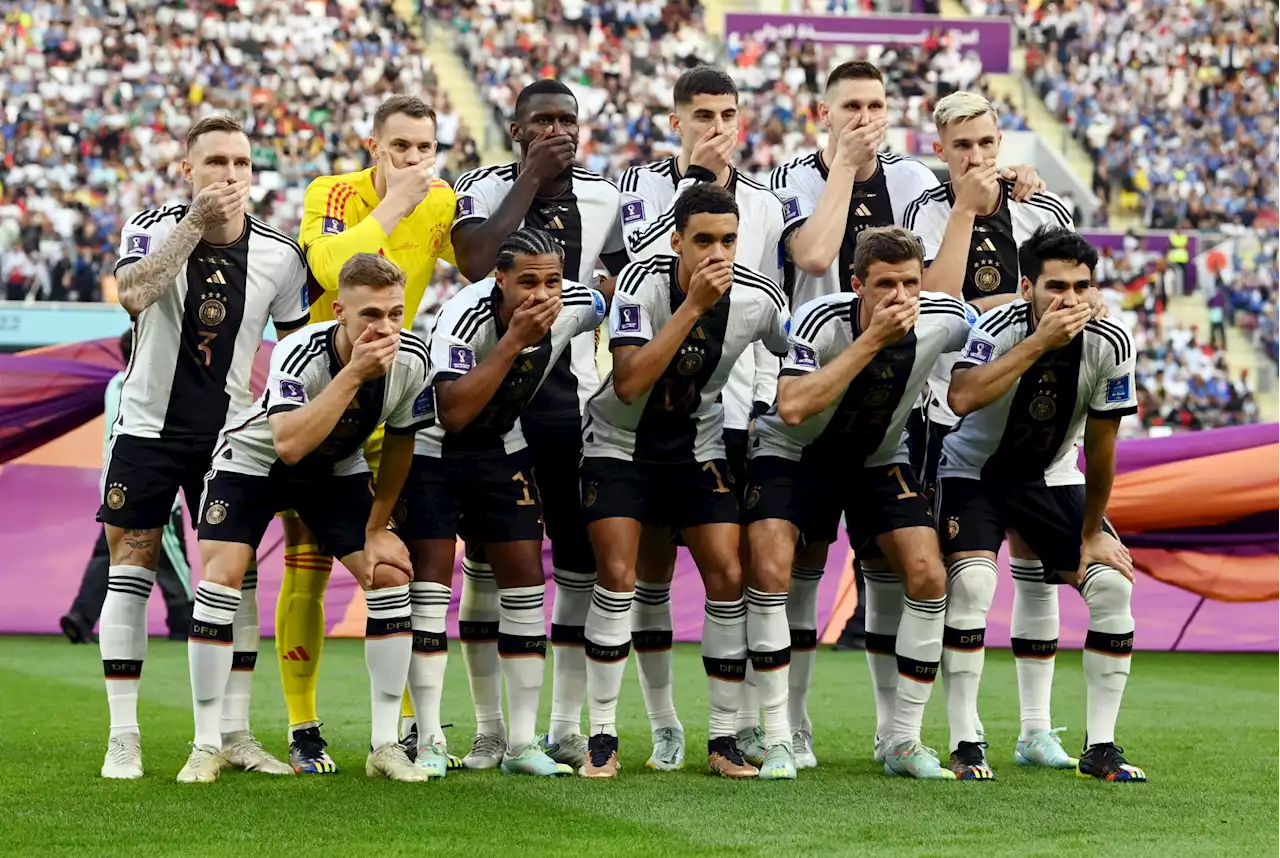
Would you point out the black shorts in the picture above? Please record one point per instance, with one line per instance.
(874, 500)
(556, 446)
(935, 433)
(238, 508)
(497, 495)
(683, 495)
(142, 476)
(974, 515)
(735, 454)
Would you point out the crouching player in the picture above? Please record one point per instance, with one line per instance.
(856, 363)
(299, 447)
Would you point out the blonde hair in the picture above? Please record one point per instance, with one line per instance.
(962, 106)
(369, 269)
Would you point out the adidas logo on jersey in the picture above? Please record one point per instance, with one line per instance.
(554, 223)
(216, 279)
(862, 210)
(987, 245)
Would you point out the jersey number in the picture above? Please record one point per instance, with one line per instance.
(527, 500)
(906, 492)
(678, 395)
(206, 337)
(720, 488)
(1043, 435)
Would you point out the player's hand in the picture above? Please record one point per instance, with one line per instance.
(709, 282)
(409, 184)
(373, 354)
(1101, 310)
(975, 187)
(1059, 325)
(714, 151)
(219, 203)
(1102, 547)
(857, 144)
(532, 319)
(549, 156)
(1026, 181)
(382, 547)
(892, 318)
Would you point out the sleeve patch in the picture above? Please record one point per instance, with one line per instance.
(425, 403)
(466, 206)
(139, 245)
(292, 391)
(333, 226)
(633, 212)
(628, 319)
(790, 209)
(979, 351)
(1118, 389)
(461, 358)
(597, 303)
(804, 356)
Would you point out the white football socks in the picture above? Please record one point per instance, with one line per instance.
(651, 640)
(478, 634)
(884, 613)
(569, 658)
(919, 651)
(429, 603)
(802, 619)
(388, 652)
(724, 657)
(608, 636)
(1108, 648)
(1033, 632)
(522, 650)
(209, 657)
(245, 634)
(971, 585)
(769, 647)
(122, 641)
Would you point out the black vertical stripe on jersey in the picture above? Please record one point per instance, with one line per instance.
(869, 206)
(865, 412)
(362, 415)
(667, 431)
(562, 220)
(1000, 255)
(1039, 416)
(198, 399)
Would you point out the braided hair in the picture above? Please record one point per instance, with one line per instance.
(526, 241)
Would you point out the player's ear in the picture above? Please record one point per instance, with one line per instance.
(337, 309)
(674, 119)
(855, 283)
(186, 169)
(1026, 288)
(937, 148)
(675, 241)
(515, 132)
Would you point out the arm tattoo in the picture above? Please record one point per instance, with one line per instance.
(144, 282)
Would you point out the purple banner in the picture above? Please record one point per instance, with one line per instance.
(992, 38)
(1148, 242)
(1134, 454)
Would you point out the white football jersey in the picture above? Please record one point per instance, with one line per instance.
(864, 427)
(466, 331)
(992, 267)
(302, 365)
(585, 223)
(649, 193)
(680, 419)
(193, 349)
(1030, 435)
(881, 200)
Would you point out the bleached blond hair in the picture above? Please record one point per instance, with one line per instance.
(962, 106)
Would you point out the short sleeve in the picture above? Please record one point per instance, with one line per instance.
(452, 349)
(590, 317)
(798, 198)
(630, 317)
(927, 218)
(291, 305)
(808, 339)
(642, 221)
(989, 337)
(773, 329)
(417, 406)
(143, 234)
(475, 199)
(288, 386)
(613, 240)
(1115, 390)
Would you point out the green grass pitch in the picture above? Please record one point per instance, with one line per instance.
(1203, 726)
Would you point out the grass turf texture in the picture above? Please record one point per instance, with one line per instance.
(1203, 726)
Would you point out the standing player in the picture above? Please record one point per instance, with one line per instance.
(1035, 375)
(396, 208)
(200, 282)
(829, 198)
(972, 228)
(579, 210)
(493, 346)
(705, 115)
(299, 447)
(856, 363)
(654, 454)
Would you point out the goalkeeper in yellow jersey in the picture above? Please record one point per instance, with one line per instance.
(399, 209)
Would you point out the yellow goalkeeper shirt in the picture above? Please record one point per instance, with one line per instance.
(336, 226)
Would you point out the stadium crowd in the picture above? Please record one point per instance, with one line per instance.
(99, 96)
(1176, 101)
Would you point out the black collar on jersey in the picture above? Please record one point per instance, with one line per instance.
(495, 304)
(243, 234)
(331, 346)
(821, 163)
(1000, 206)
(568, 184)
(731, 186)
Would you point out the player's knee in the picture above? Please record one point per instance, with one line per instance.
(971, 585)
(770, 568)
(1106, 590)
(614, 572)
(384, 576)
